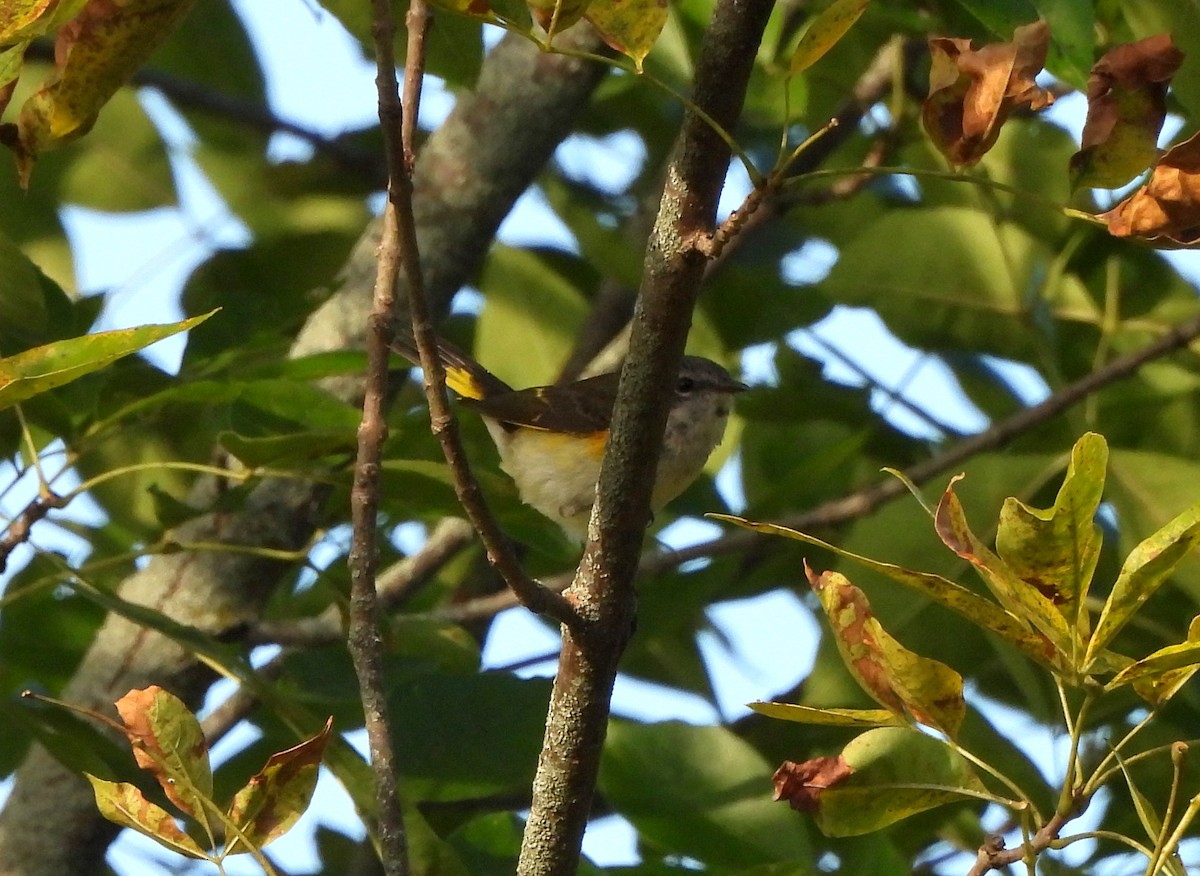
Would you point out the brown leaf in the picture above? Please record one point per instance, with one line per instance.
(850, 615)
(973, 91)
(1127, 102)
(801, 784)
(1167, 207)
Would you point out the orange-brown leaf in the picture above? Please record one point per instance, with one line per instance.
(168, 743)
(1127, 102)
(973, 91)
(849, 614)
(277, 795)
(898, 679)
(1167, 207)
(801, 784)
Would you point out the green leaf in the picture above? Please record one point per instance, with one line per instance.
(22, 301)
(830, 717)
(824, 31)
(1142, 573)
(1022, 600)
(888, 763)
(1001, 17)
(277, 795)
(959, 281)
(447, 758)
(1072, 38)
(123, 804)
(700, 792)
(123, 166)
(529, 319)
(1056, 549)
(1160, 687)
(942, 590)
(254, 452)
(74, 742)
(43, 368)
(1149, 817)
(454, 48)
(1184, 656)
(227, 656)
(169, 744)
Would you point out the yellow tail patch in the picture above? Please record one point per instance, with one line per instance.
(463, 382)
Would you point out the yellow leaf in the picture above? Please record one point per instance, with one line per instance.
(824, 32)
(630, 26)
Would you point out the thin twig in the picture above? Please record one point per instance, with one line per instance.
(895, 396)
(365, 643)
(767, 201)
(993, 855)
(863, 501)
(18, 531)
(417, 21)
(499, 550)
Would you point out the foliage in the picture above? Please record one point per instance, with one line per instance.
(169, 744)
(1040, 577)
(995, 259)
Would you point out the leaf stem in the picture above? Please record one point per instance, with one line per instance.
(1068, 800)
(1101, 773)
(1023, 802)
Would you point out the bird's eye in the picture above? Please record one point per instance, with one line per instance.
(685, 385)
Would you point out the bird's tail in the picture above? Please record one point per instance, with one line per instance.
(463, 374)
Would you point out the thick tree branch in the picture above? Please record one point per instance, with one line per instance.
(603, 587)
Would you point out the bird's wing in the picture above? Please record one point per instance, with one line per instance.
(579, 408)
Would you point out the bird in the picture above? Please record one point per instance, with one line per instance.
(551, 439)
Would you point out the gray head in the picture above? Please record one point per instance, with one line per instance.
(695, 425)
(699, 377)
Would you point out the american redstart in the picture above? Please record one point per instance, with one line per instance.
(551, 438)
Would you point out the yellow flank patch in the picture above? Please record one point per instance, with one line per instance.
(595, 444)
(463, 382)
(561, 446)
